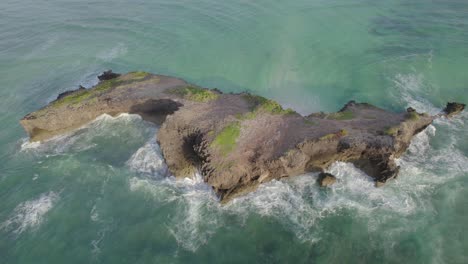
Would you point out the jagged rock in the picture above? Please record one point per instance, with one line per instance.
(326, 179)
(238, 141)
(108, 75)
(453, 109)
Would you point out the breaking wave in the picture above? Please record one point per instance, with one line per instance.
(149, 160)
(30, 214)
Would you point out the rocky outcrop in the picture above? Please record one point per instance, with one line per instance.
(326, 179)
(108, 75)
(238, 141)
(453, 109)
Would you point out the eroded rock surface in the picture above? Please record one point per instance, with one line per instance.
(238, 141)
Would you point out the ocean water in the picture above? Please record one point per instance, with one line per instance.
(103, 194)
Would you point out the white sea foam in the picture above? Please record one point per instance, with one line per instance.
(30, 214)
(81, 139)
(198, 210)
(94, 215)
(26, 144)
(409, 88)
(197, 218)
(149, 160)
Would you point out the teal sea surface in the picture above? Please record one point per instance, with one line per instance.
(98, 195)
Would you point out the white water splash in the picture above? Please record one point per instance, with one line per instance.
(149, 160)
(409, 88)
(198, 217)
(198, 210)
(30, 214)
(27, 145)
(81, 139)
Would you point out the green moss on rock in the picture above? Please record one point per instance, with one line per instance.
(391, 131)
(138, 75)
(345, 115)
(262, 104)
(74, 98)
(225, 141)
(337, 135)
(197, 94)
(412, 116)
(80, 96)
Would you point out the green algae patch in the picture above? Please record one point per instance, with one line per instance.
(133, 76)
(412, 116)
(80, 96)
(391, 131)
(74, 98)
(194, 93)
(337, 135)
(266, 105)
(138, 75)
(225, 141)
(345, 115)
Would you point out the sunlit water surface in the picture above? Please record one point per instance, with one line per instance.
(102, 195)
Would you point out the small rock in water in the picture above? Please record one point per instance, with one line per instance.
(108, 75)
(453, 108)
(326, 179)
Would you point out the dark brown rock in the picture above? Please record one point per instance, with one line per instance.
(326, 179)
(108, 75)
(453, 109)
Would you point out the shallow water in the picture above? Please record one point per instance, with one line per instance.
(102, 195)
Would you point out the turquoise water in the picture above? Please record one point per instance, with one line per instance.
(98, 195)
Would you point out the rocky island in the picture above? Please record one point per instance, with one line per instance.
(238, 141)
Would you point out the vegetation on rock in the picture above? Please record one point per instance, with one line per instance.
(391, 131)
(345, 115)
(337, 135)
(225, 141)
(103, 86)
(412, 116)
(197, 94)
(262, 104)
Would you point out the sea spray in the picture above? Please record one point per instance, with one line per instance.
(149, 160)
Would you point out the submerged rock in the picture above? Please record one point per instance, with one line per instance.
(238, 141)
(326, 179)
